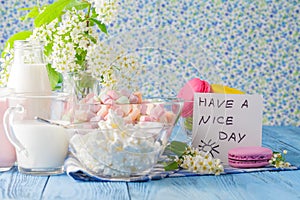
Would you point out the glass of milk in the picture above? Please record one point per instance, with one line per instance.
(41, 148)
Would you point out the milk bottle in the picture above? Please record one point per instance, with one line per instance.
(28, 73)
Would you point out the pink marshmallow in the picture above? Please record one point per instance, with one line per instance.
(125, 92)
(90, 115)
(146, 108)
(83, 101)
(163, 119)
(120, 112)
(145, 118)
(125, 108)
(103, 111)
(133, 99)
(113, 94)
(96, 118)
(139, 96)
(94, 108)
(108, 101)
(170, 117)
(128, 120)
(90, 96)
(134, 114)
(104, 98)
(82, 115)
(91, 101)
(157, 112)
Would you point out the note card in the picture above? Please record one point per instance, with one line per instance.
(224, 121)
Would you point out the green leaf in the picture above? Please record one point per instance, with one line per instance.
(94, 13)
(78, 5)
(32, 14)
(177, 147)
(53, 75)
(171, 166)
(48, 49)
(18, 36)
(61, 78)
(51, 12)
(26, 8)
(90, 37)
(100, 25)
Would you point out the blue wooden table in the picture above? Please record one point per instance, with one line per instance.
(256, 185)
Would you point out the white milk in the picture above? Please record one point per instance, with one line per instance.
(29, 78)
(46, 145)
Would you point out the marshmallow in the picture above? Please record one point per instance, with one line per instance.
(113, 94)
(124, 92)
(103, 111)
(134, 114)
(146, 108)
(90, 96)
(126, 108)
(122, 100)
(108, 101)
(145, 118)
(157, 112)
(133, 99)
(104, 98)
(170, 117)
(82, 115)
(139, 96)
(97, 118)
(120, 112)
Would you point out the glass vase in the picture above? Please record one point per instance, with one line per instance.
(80, 84)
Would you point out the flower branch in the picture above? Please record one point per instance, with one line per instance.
(191, 159)
(67, 29)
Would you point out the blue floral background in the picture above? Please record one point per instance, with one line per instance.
(250, 45)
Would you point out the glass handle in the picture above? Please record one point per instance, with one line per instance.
(8, 122)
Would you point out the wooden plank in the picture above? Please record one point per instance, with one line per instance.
(286, 135)
(280, 138)
(14, 185)
(63, 187)
(261, 185)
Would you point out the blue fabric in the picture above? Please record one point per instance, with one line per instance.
(75, 170)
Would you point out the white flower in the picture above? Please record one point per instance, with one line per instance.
(106, 10)
(5, 66)
(285, 152)
(199, 162)
(278, 160)
(287, 164)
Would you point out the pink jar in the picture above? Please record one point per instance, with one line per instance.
(7, 150)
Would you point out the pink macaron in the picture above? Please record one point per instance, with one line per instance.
(195, 85)
(249, 157)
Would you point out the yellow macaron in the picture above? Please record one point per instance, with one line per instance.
(223, 89)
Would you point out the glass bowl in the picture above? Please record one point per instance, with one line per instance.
(123, 140)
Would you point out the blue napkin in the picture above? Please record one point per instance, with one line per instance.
(75, 170)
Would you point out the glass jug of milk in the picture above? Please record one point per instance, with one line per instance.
(28, 73)
(41, 148)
